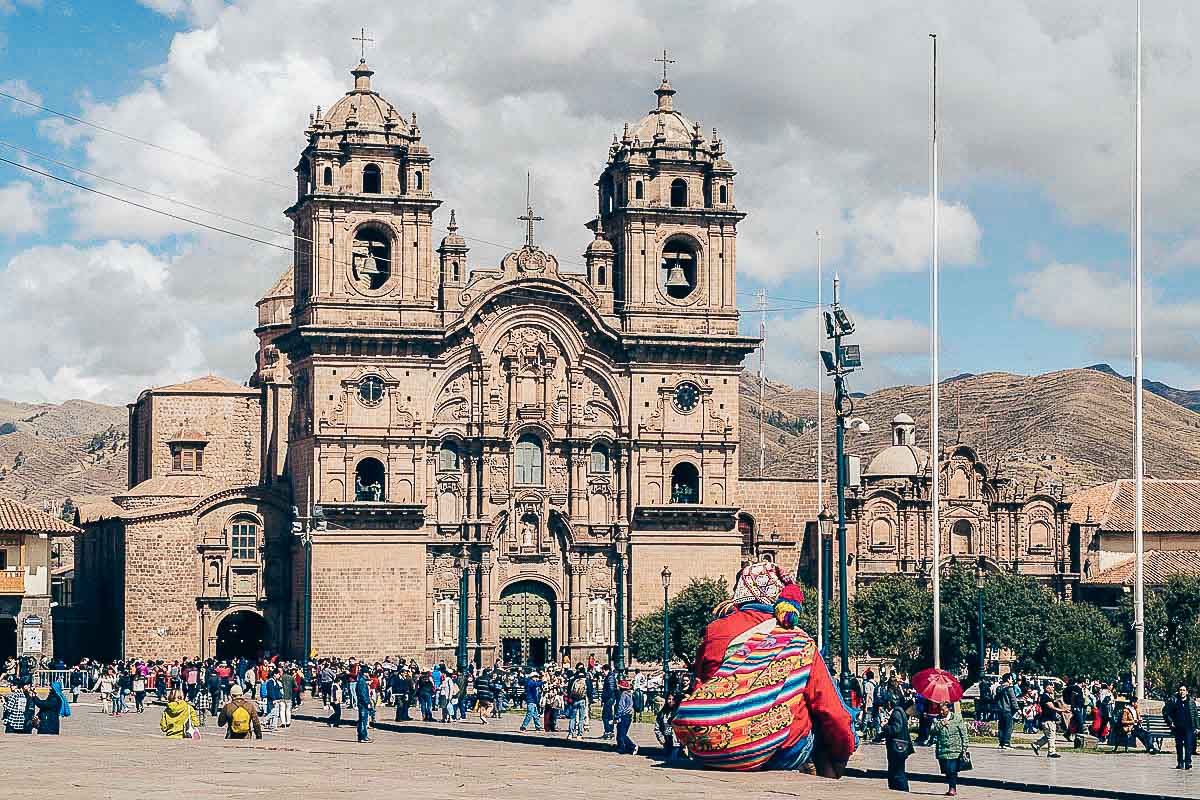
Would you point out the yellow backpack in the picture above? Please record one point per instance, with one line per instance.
(239, 720)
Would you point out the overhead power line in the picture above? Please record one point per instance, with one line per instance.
(143, 142)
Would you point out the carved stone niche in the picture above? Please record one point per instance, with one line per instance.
(243, 582)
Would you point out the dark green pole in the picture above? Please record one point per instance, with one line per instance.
(462, 617)
(982, 645)
(619, 655)
(666, 635)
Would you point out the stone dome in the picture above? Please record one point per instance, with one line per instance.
(664, 121)
(902, 419)
(899, 461)
(362, 107)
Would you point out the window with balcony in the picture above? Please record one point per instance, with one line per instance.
(528, 462)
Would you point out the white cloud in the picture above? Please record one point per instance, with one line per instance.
(1076, 298)
(94, 321)
(19, 88)
(22, 209)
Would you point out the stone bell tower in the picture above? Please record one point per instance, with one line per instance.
(666, 206)
(363, 214)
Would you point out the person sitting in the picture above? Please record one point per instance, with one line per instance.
(1130, 727)
(763, 697)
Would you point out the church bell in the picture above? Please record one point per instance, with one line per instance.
(675, 277)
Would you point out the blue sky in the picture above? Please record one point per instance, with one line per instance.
(824, 113)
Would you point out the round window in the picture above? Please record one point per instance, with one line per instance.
(370, 390)
(687, 395)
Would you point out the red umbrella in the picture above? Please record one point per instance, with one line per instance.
(937, 686)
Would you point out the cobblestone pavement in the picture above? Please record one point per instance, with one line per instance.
(102, 757)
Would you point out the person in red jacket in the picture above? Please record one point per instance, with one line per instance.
(764, 698)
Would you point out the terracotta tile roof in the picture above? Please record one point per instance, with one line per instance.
(16, 517)
(1157, 567)
(1169, 506)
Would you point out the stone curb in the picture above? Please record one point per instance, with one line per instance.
(481, 733)
(1020, 786)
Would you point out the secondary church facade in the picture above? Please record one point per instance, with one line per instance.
(422, 438)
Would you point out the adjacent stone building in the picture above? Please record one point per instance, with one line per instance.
(25, 602)
(545, 440)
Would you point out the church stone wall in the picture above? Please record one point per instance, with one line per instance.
(231, 423)
(161, 581)
(368, 598)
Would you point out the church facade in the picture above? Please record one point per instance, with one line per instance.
(426, 444)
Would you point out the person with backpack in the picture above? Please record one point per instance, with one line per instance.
(239, 716)
(578, 694)
(1006, 709)
(179, 717)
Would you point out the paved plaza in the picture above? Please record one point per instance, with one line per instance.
(102, 757)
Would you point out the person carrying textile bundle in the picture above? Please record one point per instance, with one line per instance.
(764, 698)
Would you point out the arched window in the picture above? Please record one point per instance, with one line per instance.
(601, 620)
(327, 176)
(601, 275)
(243, 539)
(372, 179)
(445, 620)
(960, 484)
(638, 191)
(528, 462)
(1039, 535)
(960, 538)
(448, 457)
(722, 195)
(679, 193)
(881, 532)
(371, 258)
(599, 459)
(685, 483)
(679, 267)
(418, 179)
(454, 270)
(370, 481)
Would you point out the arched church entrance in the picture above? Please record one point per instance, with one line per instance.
(527, 635)
(242, 634)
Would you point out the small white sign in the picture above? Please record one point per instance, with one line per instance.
(32, 639)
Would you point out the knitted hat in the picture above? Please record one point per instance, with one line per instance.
(759, 582)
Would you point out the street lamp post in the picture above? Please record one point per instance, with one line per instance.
(825, 524)
(666, 581)
(979, 617)
(843, 360)
(462, 613)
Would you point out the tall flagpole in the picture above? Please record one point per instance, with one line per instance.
(1139, 623)
(820, 453)
(762, 360)
(935, 442)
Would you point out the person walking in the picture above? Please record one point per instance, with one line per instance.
(533, 700)
(1048, 719)
(623, 714)
(362, 695)
(138, 685)
(335, 704)
(483, 695)
(1180, 714)
(577, 692)
(608, 699)
(16, 709)
(1007, 707)
(950, 739)
(178, 716)
(239, 716)
(897, 741)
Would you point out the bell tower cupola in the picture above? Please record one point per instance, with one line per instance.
(666, 206)
(363, 214)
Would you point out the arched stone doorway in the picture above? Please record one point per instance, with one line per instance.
(242, 634)
(527, 634)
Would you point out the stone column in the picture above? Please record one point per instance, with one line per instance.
(486, 634)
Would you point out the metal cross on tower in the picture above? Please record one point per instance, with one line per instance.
(362, 41)
(529, 217)
(665, 61)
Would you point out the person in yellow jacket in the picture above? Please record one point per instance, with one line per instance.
(177, 715)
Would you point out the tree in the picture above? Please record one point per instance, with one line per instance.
(1080, 641)
(892, 616)
(1172, 616)
(691, 611)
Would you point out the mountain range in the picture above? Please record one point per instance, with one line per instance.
(1072, 429)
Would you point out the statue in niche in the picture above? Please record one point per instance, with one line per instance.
(528, 530)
